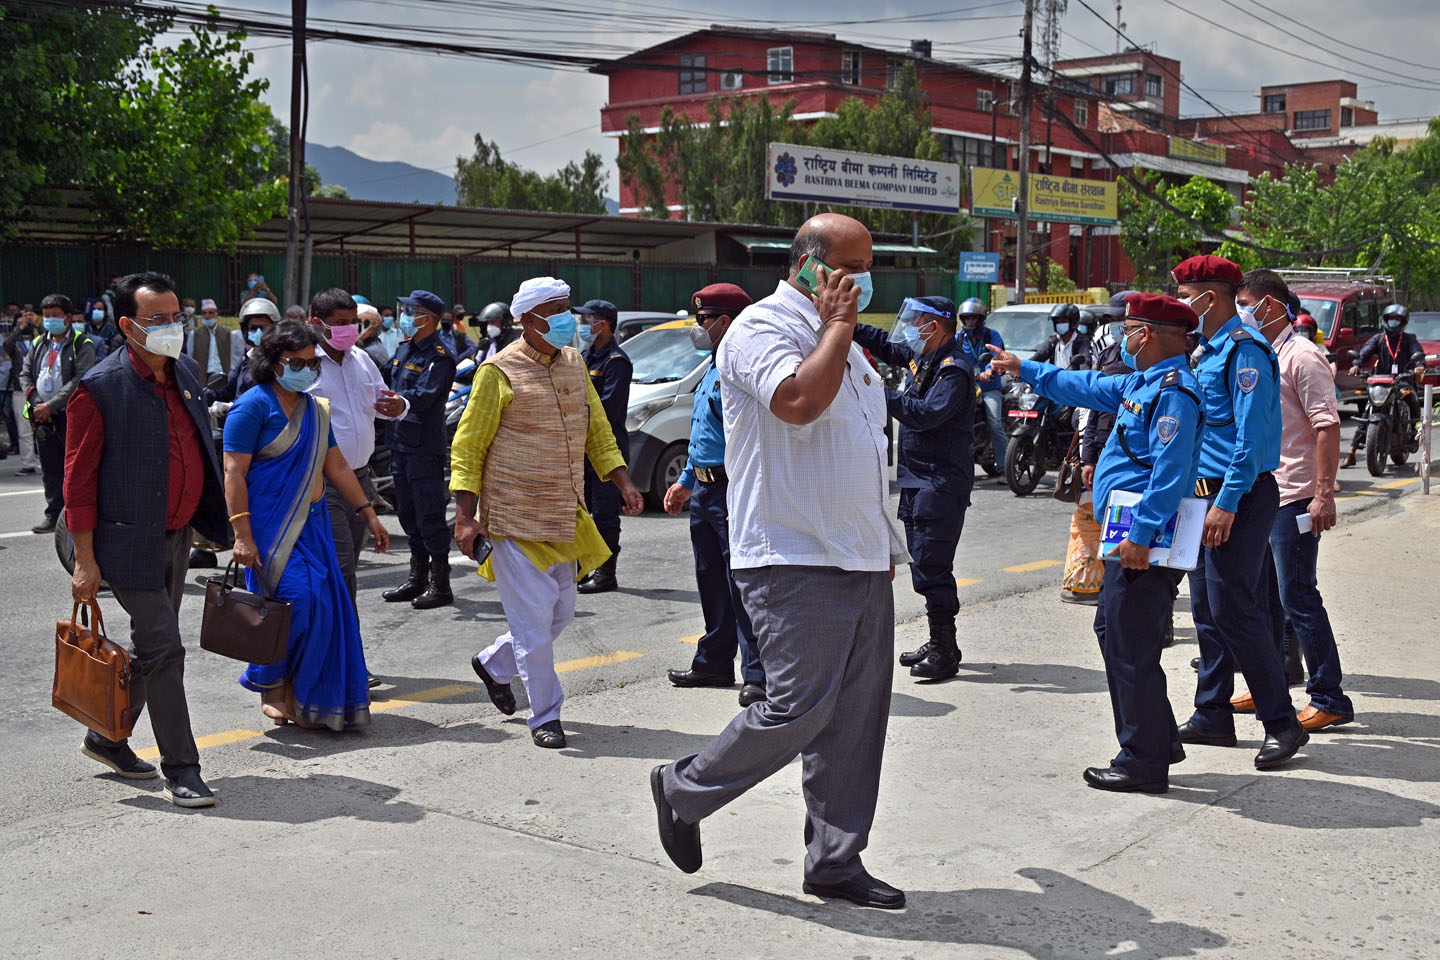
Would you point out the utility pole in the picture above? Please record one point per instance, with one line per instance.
(293, 293)
(1022, 202)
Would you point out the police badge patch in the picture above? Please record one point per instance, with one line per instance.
(1165, 428)
(1246, 377)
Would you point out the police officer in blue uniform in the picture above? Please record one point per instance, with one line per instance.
(975, 339)
(1154, 451)
(421, 371)
(1240, 387)
(704, 484)
(611, 372)
(935, 408)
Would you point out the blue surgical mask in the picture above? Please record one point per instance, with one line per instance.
(1392, 325)
(867, 289)
(586, 334)
(97, 315)
(209, 321)
(562, 329)
(387, 322)
(1126, 357)
(78, 327)
(407, 324)
(55, 324)
(913, 340)
(255, 334)
(1062, 328)
(297, 380)
(251, 283)
(1082, 329)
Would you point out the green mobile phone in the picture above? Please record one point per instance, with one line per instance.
(807, 277)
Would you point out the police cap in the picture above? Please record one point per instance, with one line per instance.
(1158, 308)
(724, 297)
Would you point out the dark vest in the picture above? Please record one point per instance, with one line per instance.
(134, 480)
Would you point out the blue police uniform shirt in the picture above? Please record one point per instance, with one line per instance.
(611, 372)
(933, 407)
(972, 347)
(1240, 386)
(1154, 449)
(707, 428)
(421, 371)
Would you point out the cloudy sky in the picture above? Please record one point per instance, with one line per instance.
(425, 109)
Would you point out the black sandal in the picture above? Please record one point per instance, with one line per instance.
(500, 693)
(549, 735)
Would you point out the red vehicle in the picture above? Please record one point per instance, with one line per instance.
(1346, 305)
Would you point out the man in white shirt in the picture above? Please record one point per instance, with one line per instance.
(213, 347)
(352, 384)
(812, 554)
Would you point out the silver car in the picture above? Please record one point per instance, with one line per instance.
(668, 368)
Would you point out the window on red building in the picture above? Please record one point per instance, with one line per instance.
(850, 68)
(1274, 103)
(780, 64)
(1347, 117)
(692, 73)
(1312, 119)
(1120, 86)
(892, 73)
(972, 152)
(1154, 85)
(985, 100)
(1082, 113)
(732, 80)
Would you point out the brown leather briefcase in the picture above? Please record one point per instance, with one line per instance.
(242, 625)
(92, 674)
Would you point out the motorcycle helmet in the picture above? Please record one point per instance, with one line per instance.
(1395, 317)
(1064, 317)
(259, 306)
(972, 313)
(1306, 327)
(1087, 323)
(497, 313)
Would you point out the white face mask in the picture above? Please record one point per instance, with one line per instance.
(165, 341)
(492, 331)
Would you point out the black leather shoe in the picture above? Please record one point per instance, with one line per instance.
(1177, 754)
(939, 665)
(751, 693)
(1113, 778)
(414, 585)
(437, 593)
(550, 735)
(1189, 733)
(371, 681)
(47, 525)
(601, 581)
(119, 758)
(1195, 664)
(500, 693)
(911, 657)
(693, 678)
(680, 839)
(188, 790)
(1280, 747)
(201, 559)
(862, 890)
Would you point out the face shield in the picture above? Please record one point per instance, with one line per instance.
(915, 321)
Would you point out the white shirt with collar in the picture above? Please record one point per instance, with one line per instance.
(352, 387)
(809, 495)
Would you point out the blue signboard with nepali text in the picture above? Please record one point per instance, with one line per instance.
(980, 267)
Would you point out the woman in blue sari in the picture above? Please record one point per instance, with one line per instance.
(279, 450)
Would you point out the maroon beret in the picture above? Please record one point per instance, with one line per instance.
(725, 297)
(1158, 308)
(1208, 269)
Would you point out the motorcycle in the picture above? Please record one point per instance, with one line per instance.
(1393, 416)
(981, 447)
(1040, 433)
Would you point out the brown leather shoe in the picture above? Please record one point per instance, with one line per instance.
(1313, 718)
(1243, 703)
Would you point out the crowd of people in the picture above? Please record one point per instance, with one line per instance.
(163, 435)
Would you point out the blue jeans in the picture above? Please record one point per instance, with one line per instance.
(994, 401)
(1295, 556)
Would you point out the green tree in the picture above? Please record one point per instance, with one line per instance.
(1153, 237)
(486, 179)
(1053, 279)
(167, 145)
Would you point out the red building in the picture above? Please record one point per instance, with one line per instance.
(974, 112)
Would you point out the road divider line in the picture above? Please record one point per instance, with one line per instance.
(211, 740)
(18, 533)
(20, 493)
(1397, 484)
(963, 582)
(1032, 565)
(694, 639)
(585, 663)
(422, 696)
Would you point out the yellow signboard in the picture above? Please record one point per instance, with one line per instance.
(1056, 199)
(1183, 149)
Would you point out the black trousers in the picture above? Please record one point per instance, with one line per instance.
(933, 522)
(50, 445)
(155, 633)
(1130, 625)
(349, 529)
(420, 501)
(727, 624)
(602, 499)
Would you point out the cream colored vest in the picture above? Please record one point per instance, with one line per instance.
(535, 470)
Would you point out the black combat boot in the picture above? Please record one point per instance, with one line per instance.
(437, 594)
(911, 657)
(412, 588)
(943, 661)
(601, 581)
(1294, 669)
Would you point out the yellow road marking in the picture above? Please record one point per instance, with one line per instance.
(423, 696)
(694, 639)
(213, 740)
(962, 582)
(1368, 493)
(1032, 565)
(585, 663)
(1396, 484)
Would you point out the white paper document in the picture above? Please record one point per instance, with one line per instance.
(1178, 545)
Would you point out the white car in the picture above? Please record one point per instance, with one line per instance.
(668, 368)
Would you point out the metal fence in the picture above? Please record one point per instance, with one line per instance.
(28, 273)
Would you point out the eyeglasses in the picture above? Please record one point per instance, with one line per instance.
(707, 317)
(296, 364)
(160, 320)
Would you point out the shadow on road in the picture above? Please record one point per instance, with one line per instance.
(1300, 802)
(590, 741)
(1036, 677)
(1063, 918)
(309, 799)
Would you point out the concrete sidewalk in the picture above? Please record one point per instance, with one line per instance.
(442, 832)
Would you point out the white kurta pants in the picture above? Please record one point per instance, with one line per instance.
(539, 604)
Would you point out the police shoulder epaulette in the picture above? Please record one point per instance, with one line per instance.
(1171, 379)
(948, 362)
(440, 349)
(1240, 334)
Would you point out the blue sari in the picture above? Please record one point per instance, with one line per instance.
(325, 665)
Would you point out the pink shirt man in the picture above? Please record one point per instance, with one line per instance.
(1307, 405)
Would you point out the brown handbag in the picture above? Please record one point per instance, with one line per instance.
(242, 625)
(92, 674)
(1068, 485)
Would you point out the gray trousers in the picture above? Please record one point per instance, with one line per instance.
(155, 633)
(827, 641)
(349, 529)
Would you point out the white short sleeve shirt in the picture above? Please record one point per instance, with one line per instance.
(809, 495)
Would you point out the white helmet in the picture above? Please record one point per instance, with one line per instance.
(260, 305)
